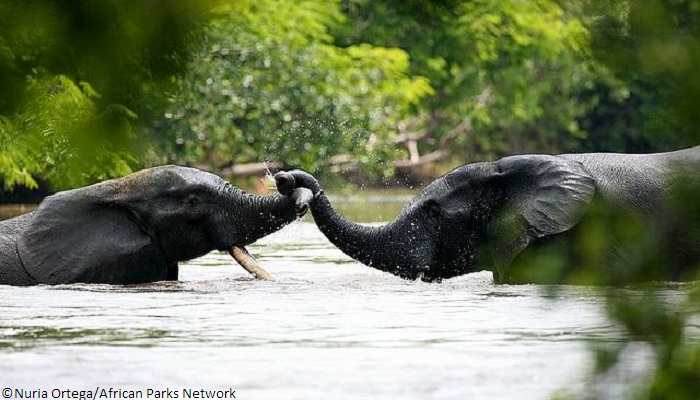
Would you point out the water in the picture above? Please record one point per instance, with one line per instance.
(330, 328)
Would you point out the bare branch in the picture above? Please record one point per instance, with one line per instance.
(484, 96)
(427, 132)
(414, 155)
(406, 167)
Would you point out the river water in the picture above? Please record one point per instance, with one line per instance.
(330, 328)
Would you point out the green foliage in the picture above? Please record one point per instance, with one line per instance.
(269, 84)
(92, 88)
(506, 73)
(61, 133)
(623, 253)
(652, 47)
(71, 78)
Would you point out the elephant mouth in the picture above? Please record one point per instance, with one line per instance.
(302, 198)
(301, 210)
(249, 263)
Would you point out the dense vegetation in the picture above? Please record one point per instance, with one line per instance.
(92, 89)
(72, 79)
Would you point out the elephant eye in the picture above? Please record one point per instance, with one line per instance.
(431, 207)
(192, 199)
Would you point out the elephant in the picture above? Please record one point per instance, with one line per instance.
(485, 215)
(136, 229)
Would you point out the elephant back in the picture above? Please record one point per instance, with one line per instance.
(639, 182)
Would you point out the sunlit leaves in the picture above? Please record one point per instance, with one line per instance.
(511, 68)
(269, 83)
(71, 79)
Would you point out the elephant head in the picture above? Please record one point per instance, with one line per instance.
(135, 229)
(480, 215)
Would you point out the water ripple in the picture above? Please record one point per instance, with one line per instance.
(329, 328)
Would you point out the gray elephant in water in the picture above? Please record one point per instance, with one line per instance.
(135, 229)
(486, 215)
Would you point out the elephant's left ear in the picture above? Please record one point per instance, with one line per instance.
(544, 195)
(76, 236)
(550, 192)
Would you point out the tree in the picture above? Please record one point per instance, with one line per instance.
(268, 83)
(71, 82)
(651, 47)
(506, 73)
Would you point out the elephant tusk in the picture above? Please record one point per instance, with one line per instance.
(249, 263)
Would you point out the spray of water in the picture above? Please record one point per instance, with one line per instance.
(268, 180)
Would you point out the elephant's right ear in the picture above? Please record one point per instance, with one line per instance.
(76, 236)
(543, 195)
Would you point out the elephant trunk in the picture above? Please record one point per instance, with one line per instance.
(363, 243)
(254, 217)
(387, 248)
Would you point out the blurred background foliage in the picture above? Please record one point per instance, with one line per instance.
(91, 89)
(363, 88)
(268, 83)
(72, 79)
(652, 49)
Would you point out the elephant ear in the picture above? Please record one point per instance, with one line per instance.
(544, 195)
(76, 236)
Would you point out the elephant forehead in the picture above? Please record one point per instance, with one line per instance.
(185, 173)
(470, 174)
(174, 177)
(454, 190)
(460, 180)
(151, 181)
(438, 191)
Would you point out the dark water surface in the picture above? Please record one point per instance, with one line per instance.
(330, 328)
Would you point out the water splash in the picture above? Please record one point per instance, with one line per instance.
(268, 180)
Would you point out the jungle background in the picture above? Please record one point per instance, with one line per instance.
(371, 92)
(364, 90)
